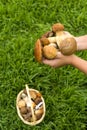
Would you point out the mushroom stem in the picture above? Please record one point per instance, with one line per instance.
(52, 39)
(56, 39)
(59, 33)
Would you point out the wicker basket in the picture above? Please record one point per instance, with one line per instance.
(35, 122)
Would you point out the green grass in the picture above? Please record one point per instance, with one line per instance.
(64, 89)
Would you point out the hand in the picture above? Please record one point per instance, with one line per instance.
(59, 61)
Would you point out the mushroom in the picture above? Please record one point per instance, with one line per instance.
(33, 95)
(23, 110)
(68, 46)
(38, 51)
(50, 52)
(44, 41)
(23, 95)
(27, 116)
(37, 100)
(21, 103)
(39, 94)
(57, 28)
(39, 113)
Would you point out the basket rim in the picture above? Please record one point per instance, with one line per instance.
(19, 114)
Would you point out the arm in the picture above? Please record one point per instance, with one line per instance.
(81, 42)
(79, 63)
(62, 60)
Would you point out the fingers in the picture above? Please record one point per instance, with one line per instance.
(57, 62)
(52, 63)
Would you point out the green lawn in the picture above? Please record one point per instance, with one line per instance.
(64, 89)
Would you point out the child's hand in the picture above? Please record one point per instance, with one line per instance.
(60, 60)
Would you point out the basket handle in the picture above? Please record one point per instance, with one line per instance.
(29, 99)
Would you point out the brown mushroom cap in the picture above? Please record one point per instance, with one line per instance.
(44, 41)
(57, 27)
(49, 52)
(33, 95)
(21, 103)
(38, 51)
(68, 46)
(39, 113)
(23, 110)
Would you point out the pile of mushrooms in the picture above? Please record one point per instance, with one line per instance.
(30, 106)
(53, 41)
